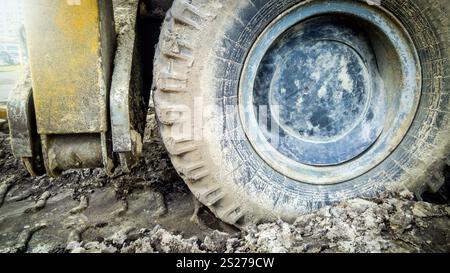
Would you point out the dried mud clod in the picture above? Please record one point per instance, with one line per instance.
(161, 208)
(119, 237)
(76, 234)
(4, 187)
(84, 203)
(21, 196)
(77, 226)
(40, 204)
(25, 237)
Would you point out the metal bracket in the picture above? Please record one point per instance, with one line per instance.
(127, 106)
(25, 141)
(71, 48)
(76, 110)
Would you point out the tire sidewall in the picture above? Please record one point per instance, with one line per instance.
(236, 169)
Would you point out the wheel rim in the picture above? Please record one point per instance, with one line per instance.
(329, 90)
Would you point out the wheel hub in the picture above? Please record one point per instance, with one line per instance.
(328, 91)
(322, 90)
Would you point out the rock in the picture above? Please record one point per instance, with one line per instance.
(408, 195)
(97, 247)
(216, 242)
(400, 221)
(270, 237)
(422, 209)
(314, 248)
(78, 250)
(72, 245)
(166, 242)
(360, 205)
(143, 245)
(447, 209)
(120, 236)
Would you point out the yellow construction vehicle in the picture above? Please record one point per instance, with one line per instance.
(268, 108)
(3, 112)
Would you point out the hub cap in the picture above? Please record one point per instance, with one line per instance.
(329, 90)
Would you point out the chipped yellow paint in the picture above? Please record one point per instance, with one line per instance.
(3, 113)
(65, 53)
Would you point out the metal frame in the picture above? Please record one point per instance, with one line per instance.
(60, 115)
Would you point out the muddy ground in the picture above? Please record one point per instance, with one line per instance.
(151, 211)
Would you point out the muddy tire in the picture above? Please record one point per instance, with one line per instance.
(389, 130)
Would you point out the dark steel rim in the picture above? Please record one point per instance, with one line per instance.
(329, 90)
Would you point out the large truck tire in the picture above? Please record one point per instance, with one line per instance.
(274, 108)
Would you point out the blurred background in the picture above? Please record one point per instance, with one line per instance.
(12, 46)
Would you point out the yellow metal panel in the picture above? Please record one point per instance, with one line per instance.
(66, 61)
(3, 114)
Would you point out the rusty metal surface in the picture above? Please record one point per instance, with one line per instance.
(127, 107)
(25, 142)
(60, 117)
(121, 89)
(19, 106)
(66, 152)
(71, 49)
(72, 46)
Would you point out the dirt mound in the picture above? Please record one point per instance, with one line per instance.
(388, 224)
